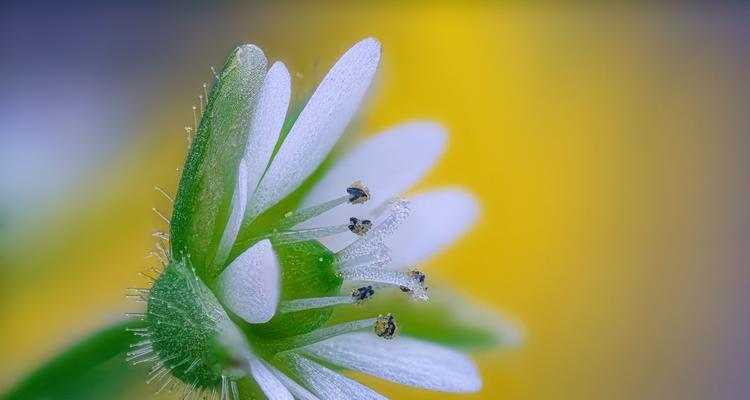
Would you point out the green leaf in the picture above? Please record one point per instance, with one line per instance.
(204, 195)
(95, 368)
(447, 318)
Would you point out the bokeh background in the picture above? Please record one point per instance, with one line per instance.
(607, 144)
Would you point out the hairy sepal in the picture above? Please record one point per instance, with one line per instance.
(204, 195)
(191, 332)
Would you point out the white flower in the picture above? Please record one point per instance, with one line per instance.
(370, 238)
(389, 163)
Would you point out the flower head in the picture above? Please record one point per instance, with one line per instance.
(261, 254)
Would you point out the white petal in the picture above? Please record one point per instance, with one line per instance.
(388, 163)
(320, 124)
(297, 390)
(437, 219)
(271, 386)
(235, 216)
(404, 360)
(268, 119)
(328, 384)
(250, 285)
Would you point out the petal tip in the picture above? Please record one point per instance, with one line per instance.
(280, 68)
(249, 48)
(368, 49)
(371, 43)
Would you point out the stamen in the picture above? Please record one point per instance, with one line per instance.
(295, 342)
(300, 235)
(357, 194)
(396, 278)
(359, 227)
(385, 327)
(295, 217)
(358, 296)
(419, 276)
(379, 257)
(374, 239)
(312, 303)
(355, 225)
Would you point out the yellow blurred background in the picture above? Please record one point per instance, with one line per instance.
(607, 145)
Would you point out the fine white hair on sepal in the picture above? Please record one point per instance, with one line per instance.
(265, 128)
(403, 360)
(250, 285)
(325, 383)
(237, 210)
(319, 125)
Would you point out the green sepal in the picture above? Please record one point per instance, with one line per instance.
(95, 368)
(203, 199)
(447, 318)
(307, 270)
(190, 331)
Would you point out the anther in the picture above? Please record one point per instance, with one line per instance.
(398, 213)
(358, 193)
(385, 327)
(362, 294)
(418, 276)
(359, 226)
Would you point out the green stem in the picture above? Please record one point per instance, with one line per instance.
(93, 367)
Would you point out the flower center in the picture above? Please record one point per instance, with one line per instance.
(190, 336)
